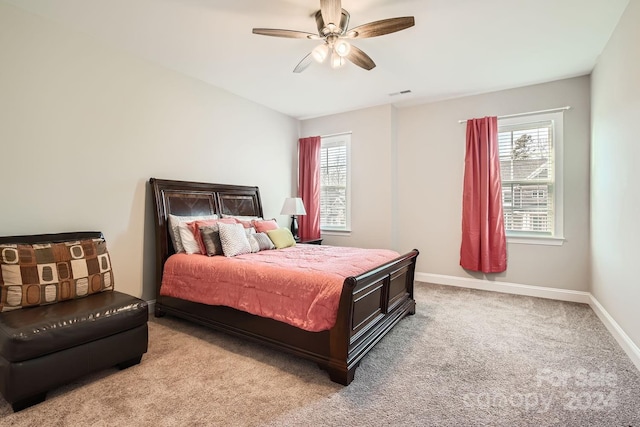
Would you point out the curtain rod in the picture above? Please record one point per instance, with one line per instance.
(551, 110)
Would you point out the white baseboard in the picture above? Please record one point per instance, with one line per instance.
(505, 287)
(629, 347)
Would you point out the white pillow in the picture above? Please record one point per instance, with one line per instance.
(187, 239)
(233, 239)
(175, 220)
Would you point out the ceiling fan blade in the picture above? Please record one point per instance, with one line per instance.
(360, 58)
(290, 34)
(302, 65)
(379, 28)
(331, 11)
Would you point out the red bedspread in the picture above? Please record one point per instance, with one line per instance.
(300, 285)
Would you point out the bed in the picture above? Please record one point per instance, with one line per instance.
(370, 304)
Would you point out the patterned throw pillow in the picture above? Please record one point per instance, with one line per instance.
(260, 242)
(39, 274)
(233, 239)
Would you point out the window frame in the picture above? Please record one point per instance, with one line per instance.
(339, 140)
(557, 236)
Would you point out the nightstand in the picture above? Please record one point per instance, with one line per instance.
(311, 241)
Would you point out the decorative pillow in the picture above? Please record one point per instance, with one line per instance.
(39, 274)
(265, 225)
(189, 242)
(195, 227)
(174, 220)
(281, 238)
(211, 239)
(260, 242)
(233, 239)
(253, 243)
(245, 224)
(246, 221)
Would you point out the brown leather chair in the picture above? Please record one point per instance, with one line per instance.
(49, 345)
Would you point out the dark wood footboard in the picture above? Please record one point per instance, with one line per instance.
(370, 304)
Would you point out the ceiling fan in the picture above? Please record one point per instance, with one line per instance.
(332, 21)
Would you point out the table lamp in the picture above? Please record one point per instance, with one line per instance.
(293, 206)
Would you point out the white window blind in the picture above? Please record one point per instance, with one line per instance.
(528, 171)
(334, 183)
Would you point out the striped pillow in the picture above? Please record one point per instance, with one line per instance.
(260, 242)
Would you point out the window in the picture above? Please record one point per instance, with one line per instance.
(530, 150)
(334, 183)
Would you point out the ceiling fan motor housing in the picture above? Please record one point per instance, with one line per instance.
(324, 30)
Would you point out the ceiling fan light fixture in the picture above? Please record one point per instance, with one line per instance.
(333, 27)
(342, 48)
(337, 61)
(320, 53)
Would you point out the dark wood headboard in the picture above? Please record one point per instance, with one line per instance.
(186, 198)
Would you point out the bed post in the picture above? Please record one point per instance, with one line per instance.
(339, 368)
(162, 241)
(370, 305)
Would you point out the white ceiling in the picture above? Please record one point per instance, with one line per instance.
(457, 47)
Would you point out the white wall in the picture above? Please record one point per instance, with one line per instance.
(407, 181)
(372, 163)
(85, 126)
(615, 178)
(431, 146)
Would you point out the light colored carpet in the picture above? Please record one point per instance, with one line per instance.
(467, 357)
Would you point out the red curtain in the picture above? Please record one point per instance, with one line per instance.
(484, 242)
(309, 186)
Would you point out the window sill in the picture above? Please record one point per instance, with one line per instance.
(536, 240)
(335, 232)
